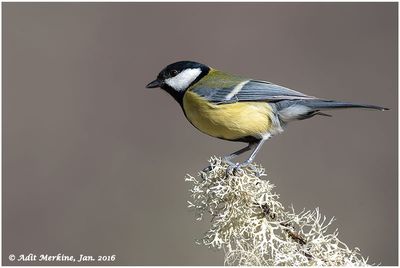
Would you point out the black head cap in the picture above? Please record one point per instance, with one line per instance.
(174, 69)
(177, 67)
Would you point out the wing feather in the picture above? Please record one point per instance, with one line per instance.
(252, 90)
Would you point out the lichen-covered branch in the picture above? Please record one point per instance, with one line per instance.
(253, 227)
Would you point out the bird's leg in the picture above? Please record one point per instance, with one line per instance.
(235, 168)
(228, 158)
(257, 146)
(232, 166)
(253, 154)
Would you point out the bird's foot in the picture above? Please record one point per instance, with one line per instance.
(255, 170)
(232, 168)
(235, 168)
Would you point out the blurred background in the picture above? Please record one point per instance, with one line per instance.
(94, 163)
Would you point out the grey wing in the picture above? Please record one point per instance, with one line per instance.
(250, 90)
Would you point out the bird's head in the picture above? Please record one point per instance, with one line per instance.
(177, 77)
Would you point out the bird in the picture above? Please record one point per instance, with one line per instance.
(235, 108)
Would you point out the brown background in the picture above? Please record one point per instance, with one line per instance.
(93, 163)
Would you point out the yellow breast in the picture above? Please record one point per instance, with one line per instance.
(228, 121)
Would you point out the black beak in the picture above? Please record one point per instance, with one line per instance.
(153, 84)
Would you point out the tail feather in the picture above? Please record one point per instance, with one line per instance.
(289, 110)
(329, 104)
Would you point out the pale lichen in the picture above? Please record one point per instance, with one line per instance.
(253, 227)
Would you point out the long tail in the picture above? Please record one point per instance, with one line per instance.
(319, 104)
(302, 109)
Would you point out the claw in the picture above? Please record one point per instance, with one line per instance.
(230, 170)
(255, 170)
(231, 166)
(234, 169)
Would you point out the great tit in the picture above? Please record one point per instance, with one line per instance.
(234, 108)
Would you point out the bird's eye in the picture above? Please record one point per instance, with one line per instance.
(173, 72)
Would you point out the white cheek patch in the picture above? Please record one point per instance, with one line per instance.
(182, 81)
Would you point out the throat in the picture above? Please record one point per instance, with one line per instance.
(177, 95)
